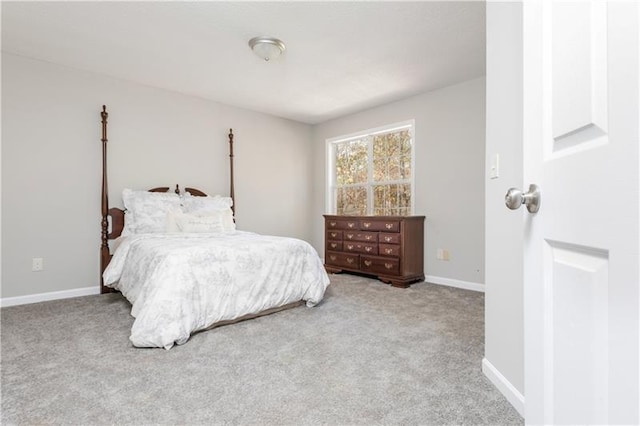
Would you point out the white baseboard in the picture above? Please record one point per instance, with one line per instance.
(467, 285)
(43, 297)
(514, 397)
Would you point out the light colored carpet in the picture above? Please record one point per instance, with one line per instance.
(369, 354)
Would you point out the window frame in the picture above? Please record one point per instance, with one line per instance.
(330, 166)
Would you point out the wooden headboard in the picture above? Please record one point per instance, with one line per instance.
(117, 214)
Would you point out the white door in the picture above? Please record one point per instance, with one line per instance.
(582, 249)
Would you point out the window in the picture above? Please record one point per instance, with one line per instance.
(371, 173)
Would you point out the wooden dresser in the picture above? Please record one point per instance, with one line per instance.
(388, 247)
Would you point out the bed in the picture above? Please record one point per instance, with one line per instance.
(180, 261)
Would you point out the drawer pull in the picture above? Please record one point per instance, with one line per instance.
(367, 237)
(388, 251)
(388, 265)
(368, 262)
(350, 260)
(388, 239)
(351, 224)
(388, 225)
(366, 224)
(368, 248)
(332, 223)
(334, 234)
(350, 236)
(334, 245)
(333, 257)
(350, 246)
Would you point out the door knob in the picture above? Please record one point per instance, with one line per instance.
(515, 198)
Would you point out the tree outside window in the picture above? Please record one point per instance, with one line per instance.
(372, 173)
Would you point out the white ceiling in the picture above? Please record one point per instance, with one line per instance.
(341, 57)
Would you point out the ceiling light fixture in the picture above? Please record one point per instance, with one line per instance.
(267, 47)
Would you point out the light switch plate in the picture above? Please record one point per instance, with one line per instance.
(494, 173)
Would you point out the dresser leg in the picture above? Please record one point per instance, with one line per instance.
(332, 270)
(394, 283)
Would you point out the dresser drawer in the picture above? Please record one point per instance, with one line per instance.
(366, 248)
(380, 225)
(334, 245)
(347, 260)
(334, 235)
(369, 237)
(389, 250)
(381, 265)
(343, 224)
(390, 238)
(331, 224)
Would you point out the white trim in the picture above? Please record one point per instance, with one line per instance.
(43, 297)
(467, 285)
(329, 173)
(509, 391)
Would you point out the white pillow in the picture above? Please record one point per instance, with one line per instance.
(226, 217)
(146, 211)
(199, 223)
(211, 205)
(171, 223)
(198, 204)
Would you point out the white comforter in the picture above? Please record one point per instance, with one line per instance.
(181, 283)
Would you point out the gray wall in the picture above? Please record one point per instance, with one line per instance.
(449, 175)
(504, 317)
(51, 165)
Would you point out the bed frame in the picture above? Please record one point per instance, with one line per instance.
(117, 215)
(117, 222)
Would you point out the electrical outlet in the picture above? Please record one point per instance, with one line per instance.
(445, 254)
(442, 254)
(37, 264)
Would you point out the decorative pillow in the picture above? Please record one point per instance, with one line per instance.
(171, 223)
(211, 205)
(199, 223)
(146, 211)
(198, 204)
(225, 215)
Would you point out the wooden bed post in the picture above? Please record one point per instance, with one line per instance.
(231, 191)
(117, 215)
(104, 247)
